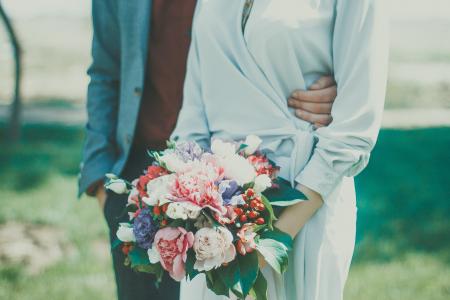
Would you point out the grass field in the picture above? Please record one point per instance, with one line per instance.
(403, 220)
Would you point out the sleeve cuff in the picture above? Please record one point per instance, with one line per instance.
(319, 176)
(92, 173)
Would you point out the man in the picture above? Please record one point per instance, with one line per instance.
(139, 54)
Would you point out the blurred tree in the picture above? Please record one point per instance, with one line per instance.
(14, 122)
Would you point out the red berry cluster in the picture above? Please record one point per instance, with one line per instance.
(250, 212)
(159, 213)
(126, 248)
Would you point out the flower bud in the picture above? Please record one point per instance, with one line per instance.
(118, 186)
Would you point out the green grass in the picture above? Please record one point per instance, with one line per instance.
(405, 94)
(414, 276)
(404, 195)
(403, 225)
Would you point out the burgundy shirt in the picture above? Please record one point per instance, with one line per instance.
(168, 47)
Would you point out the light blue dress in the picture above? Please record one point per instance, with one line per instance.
(237, 84)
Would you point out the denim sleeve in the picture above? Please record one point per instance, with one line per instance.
(99, 151)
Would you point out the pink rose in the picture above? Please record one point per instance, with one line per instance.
(172, 245)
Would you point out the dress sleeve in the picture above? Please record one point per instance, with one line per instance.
(192, 124)
(360, 62)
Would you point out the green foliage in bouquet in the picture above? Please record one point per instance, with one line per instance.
(221, 236)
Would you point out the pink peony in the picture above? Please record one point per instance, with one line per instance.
(172, 245)
(197, 184)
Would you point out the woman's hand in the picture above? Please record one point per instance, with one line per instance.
(295, 217)
(100, 194)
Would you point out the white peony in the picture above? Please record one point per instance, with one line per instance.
(118, 186)
(159, 190)
(125, 233)
(262, 182)
(253, 142)
(173, 162)
(223, 149)
(183, 210)
(213, 247)
(238, 168)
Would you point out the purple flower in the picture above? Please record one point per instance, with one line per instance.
(229, 189)
(188, 151)
(144, 229)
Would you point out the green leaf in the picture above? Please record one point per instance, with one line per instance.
(151, 269)
(155, 269)
(275, 253)
(116, 243)
(283, 195)
(230, 274)
(237, 291)
(248, 267)
(190, 261)
(277, 235)
(284, 192)
(177, 223)
(268, 211)
(215, 283)
(259, 289)
(138, 256)
(241, 147)
(286, 203)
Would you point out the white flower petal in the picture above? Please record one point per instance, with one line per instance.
(238, 168)
(222, 149)
(262, 182)
(253, 142)
(172, 162)
(153, 255)
(125, 233)
(118, 186)
(111, 176)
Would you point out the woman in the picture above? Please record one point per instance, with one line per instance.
(246, 57)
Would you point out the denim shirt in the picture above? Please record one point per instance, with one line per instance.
(119, 51)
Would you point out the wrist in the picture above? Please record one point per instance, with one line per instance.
(310, 194)
(94, 188)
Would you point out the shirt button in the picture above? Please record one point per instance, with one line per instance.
(138, 91)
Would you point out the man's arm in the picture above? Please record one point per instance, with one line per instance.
(99, 152)
(314, 105)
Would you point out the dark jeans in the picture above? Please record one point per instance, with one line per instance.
(132, 285)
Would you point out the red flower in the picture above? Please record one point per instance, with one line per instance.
(263, 165)
(155, 172)
(152, 173)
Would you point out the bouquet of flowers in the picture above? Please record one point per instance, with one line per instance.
(207, 211)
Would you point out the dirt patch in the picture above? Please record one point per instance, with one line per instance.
(35, 247)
